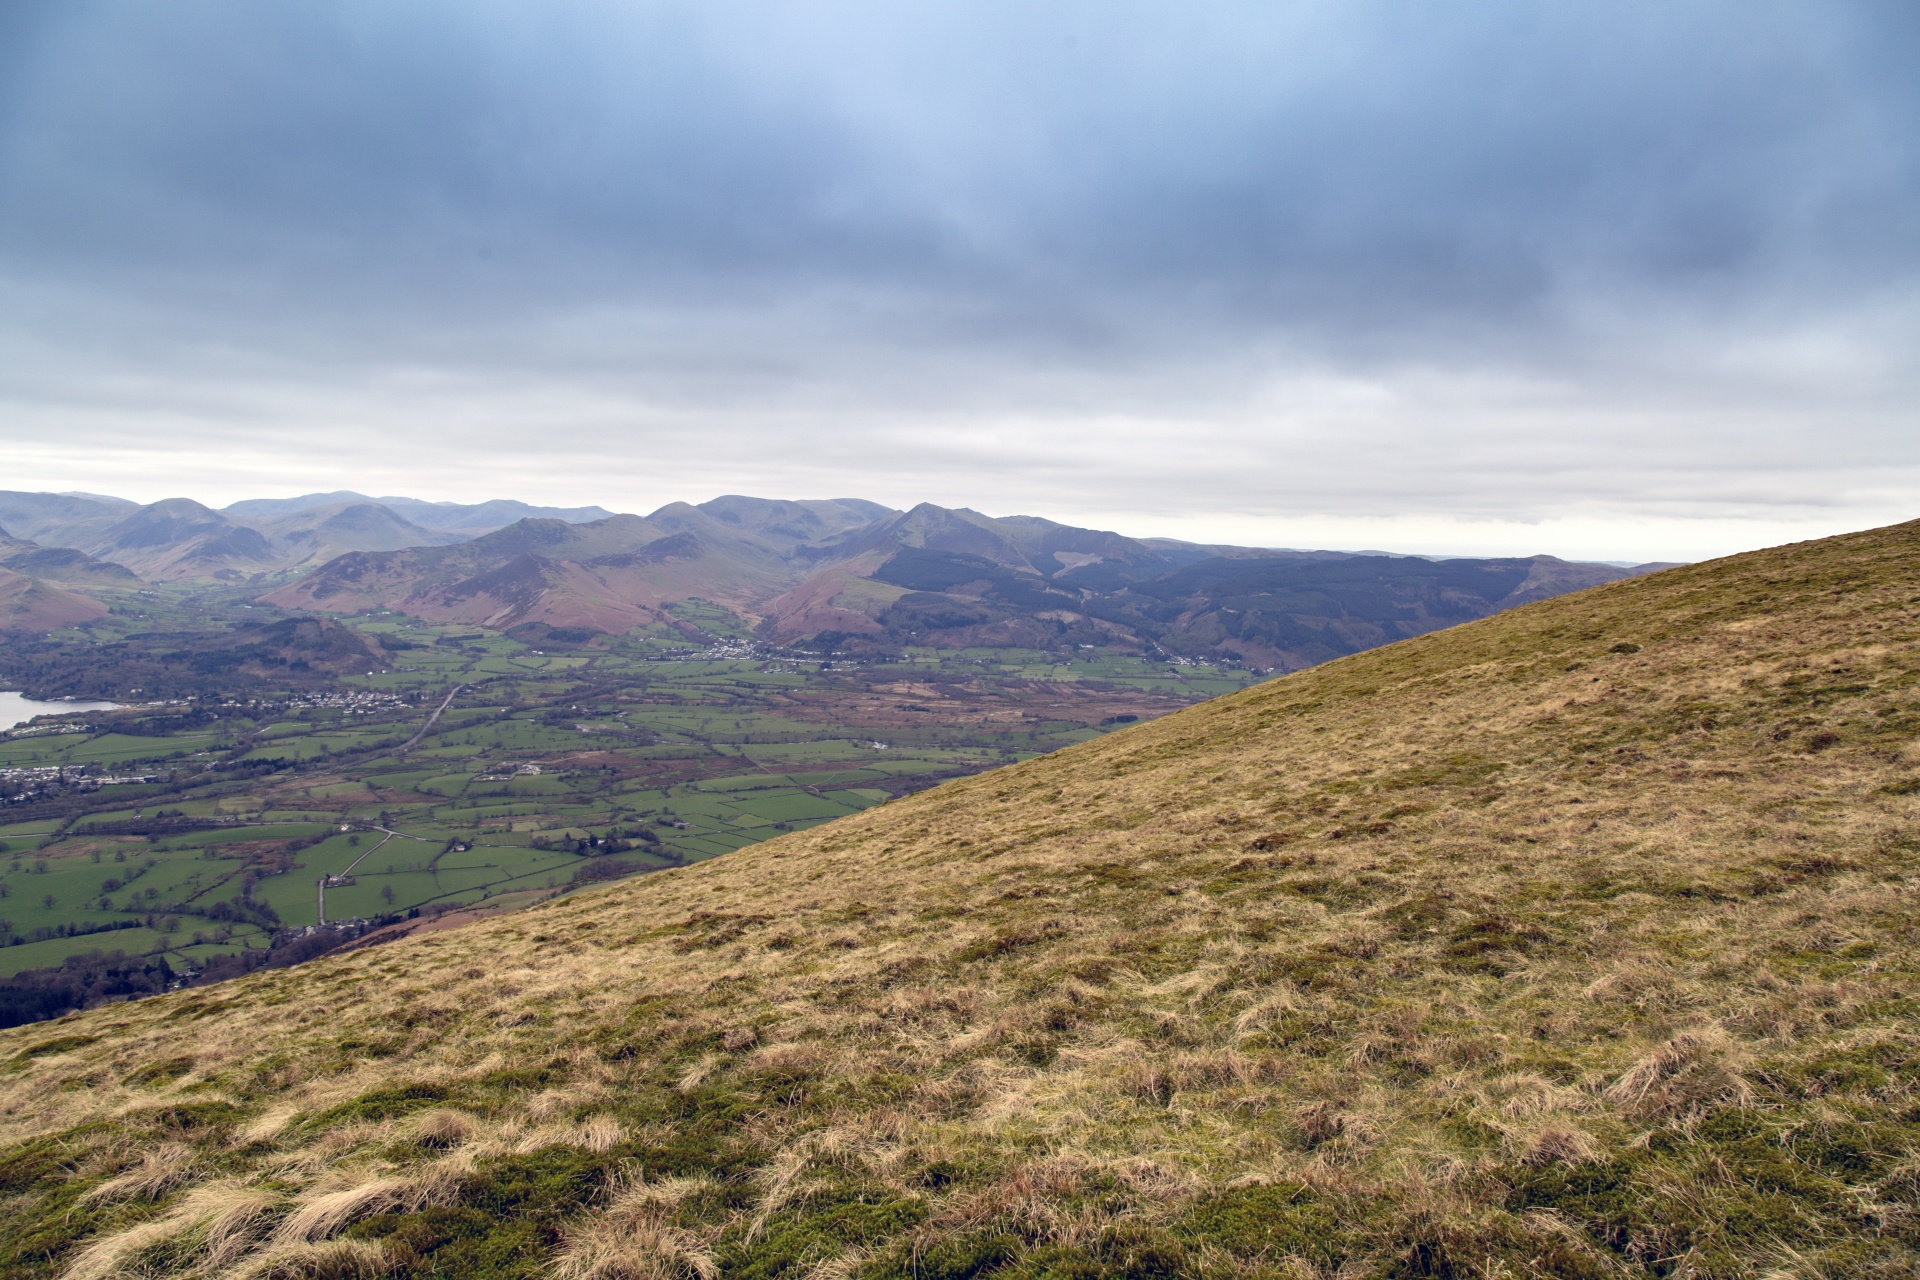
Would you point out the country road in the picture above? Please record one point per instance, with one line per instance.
(321, 908)
(431, 720)
(320, 904)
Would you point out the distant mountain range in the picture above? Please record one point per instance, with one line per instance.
(841, 574)
(470, 520)
(179, 539)
(847, 574)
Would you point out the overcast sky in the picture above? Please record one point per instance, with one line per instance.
(1633, 279)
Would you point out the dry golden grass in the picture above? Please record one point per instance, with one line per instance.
(634, 1237)
(1578, 941)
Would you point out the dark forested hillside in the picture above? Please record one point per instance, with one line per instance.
(1281, 612)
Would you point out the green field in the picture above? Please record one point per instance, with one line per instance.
(552, 767)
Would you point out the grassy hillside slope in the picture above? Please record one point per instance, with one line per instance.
(1578, 941)
(28, 604)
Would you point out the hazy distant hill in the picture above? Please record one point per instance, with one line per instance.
(37, 583)
(484, 516)
(29, 604)
(845, 571)
(851, 573)
(780, 526)
(961, 579)
(1575, 942)
(1292, 612)
(849, 591)
(181, 540)
(607, 575)
(315, 535)
(60, 519)
(745, 553)
(64, 566)
(178, 538)
(456, 517)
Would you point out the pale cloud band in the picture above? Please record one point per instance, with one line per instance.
(1597, 279)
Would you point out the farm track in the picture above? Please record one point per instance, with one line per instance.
(321, 905)
(432, 720)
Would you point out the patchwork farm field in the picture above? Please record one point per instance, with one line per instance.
(475, 773)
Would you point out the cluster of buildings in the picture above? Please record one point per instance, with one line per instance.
(353, 702)
(47, 730)
(20, 785)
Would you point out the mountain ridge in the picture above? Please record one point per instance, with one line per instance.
(459, 517)
(839, 574)
(63, 566)
(954, 578)
(180, 540)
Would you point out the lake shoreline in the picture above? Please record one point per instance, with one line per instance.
(17, 709)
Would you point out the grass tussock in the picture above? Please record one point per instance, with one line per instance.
(1577, 942)
(636, 1235)
(334, 1260)
(156, 1172)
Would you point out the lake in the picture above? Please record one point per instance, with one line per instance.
(15, 709)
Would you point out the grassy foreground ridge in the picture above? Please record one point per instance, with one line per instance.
(1578, 941)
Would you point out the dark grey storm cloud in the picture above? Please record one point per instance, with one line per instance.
(1268, 260)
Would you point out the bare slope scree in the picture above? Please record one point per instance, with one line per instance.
(1577, 941)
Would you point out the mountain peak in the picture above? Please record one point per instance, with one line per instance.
(168, 520)
(267, 507)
